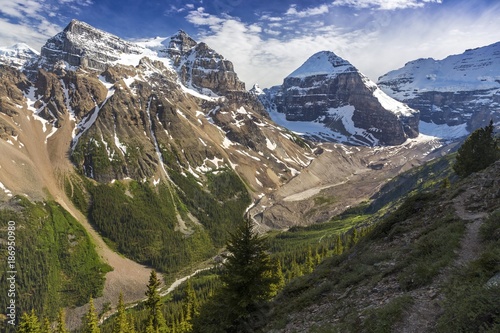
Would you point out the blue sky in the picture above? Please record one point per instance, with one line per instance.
(267, 40)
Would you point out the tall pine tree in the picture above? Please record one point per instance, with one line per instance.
(122, 324)
(61, 324)
(248, 280)
(29, 323)
(91, 321)
(155, 320)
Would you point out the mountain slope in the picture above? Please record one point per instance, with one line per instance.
(455, 95)
(429, 266)
(331, 100)
(96, 115)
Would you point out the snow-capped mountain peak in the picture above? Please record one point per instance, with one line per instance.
(256, 90)
(17, 55)
(323, 63)
(456, 94)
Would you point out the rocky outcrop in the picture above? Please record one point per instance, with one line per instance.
(201, 67)
(329, 90)
(80, 44)
(147, 110)
(461, 89)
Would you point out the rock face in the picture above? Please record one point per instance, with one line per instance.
(327, 89)
(201, 67)
(460, 90)
(80, 44)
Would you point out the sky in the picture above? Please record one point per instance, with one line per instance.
(267, 40)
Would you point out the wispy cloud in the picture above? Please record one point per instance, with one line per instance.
(32, 22)
(292, 11)
(384, 4)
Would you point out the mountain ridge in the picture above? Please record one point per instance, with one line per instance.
(459, 93)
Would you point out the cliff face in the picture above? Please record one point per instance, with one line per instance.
(201, 67)
(460, 90)
(330, 91)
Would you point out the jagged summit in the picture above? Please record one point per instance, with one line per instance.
(256, 90)
(180, 43)
(323, 63)
(80, 44)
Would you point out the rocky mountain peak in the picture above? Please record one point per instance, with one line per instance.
(323, 63)
(17, 55)
(329, 99)
(180, 43)
(80, 44)
(202, 68)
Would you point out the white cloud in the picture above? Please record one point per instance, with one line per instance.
(384, 4)
(199, 17)
(292, 11)
(373, 41)
(32, 22)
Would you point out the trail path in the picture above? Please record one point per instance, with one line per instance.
(426, 310)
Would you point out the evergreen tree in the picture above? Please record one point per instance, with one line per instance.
(91, 321)
(278, 278)
(309, 264)
(29, 323)
(478, 151)
(154, 306)
(61, 324)
(121, 322)
(339, 245)
(247, 283)
(46, 326)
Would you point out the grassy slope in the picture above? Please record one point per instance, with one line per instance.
(373, 286)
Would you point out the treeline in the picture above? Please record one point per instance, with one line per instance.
(140, 222)
(56, 263)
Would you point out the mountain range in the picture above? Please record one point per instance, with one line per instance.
(158, 150)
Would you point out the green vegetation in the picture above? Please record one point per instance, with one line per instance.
(56, 261)
(478, 151)
(430, 253)
(140, 221)
(427, 177)
(96, 158)
(382, 253)
(248, 281)
(472, 299)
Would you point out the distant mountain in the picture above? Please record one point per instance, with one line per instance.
(455, 95)
(327, 98)
(17, 55)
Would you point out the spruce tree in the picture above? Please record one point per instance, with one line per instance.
(121, 321)
(46, 326)
(91, 321)
(478, 151)
(29, 323)
(61, 324)
(247, 282)
(154, 306)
